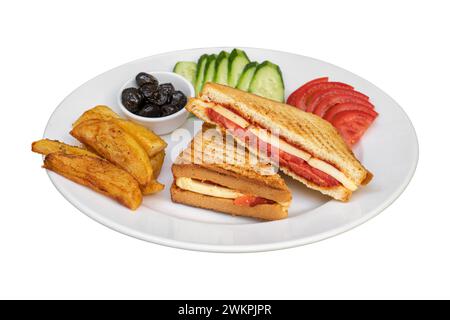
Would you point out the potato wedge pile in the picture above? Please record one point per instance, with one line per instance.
(119, 159)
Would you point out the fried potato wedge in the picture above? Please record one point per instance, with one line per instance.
(151, 142)
(114, 144)
(152, 187)
(97, 174)
(97, 112)
(47, 146)
(157, 161)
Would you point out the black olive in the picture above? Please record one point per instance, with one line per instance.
(168, 109)
(143, 78)
(178, 100)
(158, 97)
(150, 111)
(131, 99)
(147, 89)
(166, 88)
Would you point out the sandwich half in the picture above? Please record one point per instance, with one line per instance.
(303, 145)
(215, 173)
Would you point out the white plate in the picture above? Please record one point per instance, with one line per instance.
(389, 150)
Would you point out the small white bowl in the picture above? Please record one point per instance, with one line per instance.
(162, 125)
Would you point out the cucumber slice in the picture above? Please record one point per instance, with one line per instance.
(268, 82)
(201, 66)
(247, 76)
(221, 76)
(210, 69)
(236, 64)
(186, 69)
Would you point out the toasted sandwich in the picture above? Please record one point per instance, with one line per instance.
(215, 173)
(303, 145)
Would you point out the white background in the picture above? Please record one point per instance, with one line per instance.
(48, 249)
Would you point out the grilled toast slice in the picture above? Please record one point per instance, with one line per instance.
(217, 160)
(216, 157)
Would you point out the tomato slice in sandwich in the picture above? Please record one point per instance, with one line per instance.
(304, 170)
(352, 124)
(329, 115)
(251, 201)
(327, 103)
(294, 98)
(218, 118)
(325, 93)
(314, 175)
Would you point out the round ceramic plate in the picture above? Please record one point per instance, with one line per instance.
(389, 149)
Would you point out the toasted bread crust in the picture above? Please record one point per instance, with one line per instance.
(262, 211)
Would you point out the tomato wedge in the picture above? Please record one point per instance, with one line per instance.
(305, 99)
(352, 124)
(322, 94)
(297, 94)
(329, 115)
(251, 201)
(331, 100)
(350, 112)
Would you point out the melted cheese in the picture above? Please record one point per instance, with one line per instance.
(332, 171)
(206, 188)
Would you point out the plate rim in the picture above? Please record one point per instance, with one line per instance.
(279, 245)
